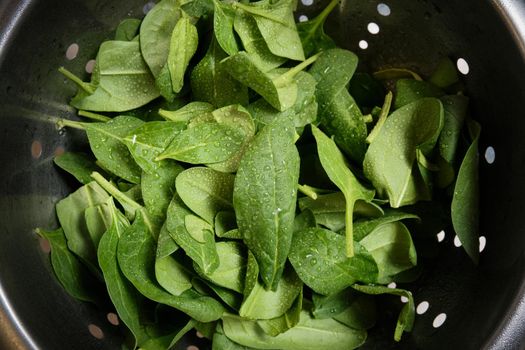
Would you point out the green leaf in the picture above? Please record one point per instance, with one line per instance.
(254, 44)
(80, 165)
(158, 188)
(409, 90)
(363, 227)
(232, 266)
(264, 197)
(149, 140)
(339, 114)
(222, 342)
(187, 112)
(304, 221)
(156, 32)
(121, 80)
(169, 272)
(205, 191)
(127, 300)
(405, 321)
(128, 29)
(445, 74)
(136, 257)
(276, 24)
(106, 142)
(335, 166)
(204, 143)
(309, 334)
(98, 220)
(262, 304)
(289, 319)
(70, 272)
(361, 314)
(390, 160)
(392, 248)
(465, 203)
(311, 32)
(71, 215)
(303, 112)
(210, 82)
(224, 221)
(319, 257)
(223, 18)
(204, 254)
(183, 45)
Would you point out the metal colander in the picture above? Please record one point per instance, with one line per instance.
(459, 306)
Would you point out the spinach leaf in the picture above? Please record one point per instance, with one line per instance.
(319, 257)
(183, 45)
(205, 191)
(313, 37)
(277, 26)
(210, 82)
(149, 140)
(262, 304)
(136, 257)
(224, 221)
(361, 314)
(80, 165)
(187, 112)
(106, 142)
(397, 74)
(289, 319)
(222, 342)
(465, 202)
(156, 32)
(121, 81)
(70, 272)
(169, 272)
(409, 90)
(232, 266)
(445, 74)
(309, 334)
(264, 197)
(254, 44)
(405, 321)
(389, 161)
(339, 114)
(303, 111)
(304, 220)
(198, 8)
(329, 210)
(127, 300)
(228, 296)
(223, 18)
(392, 248)
(98, 220)
(204, 143)
(363, 227)
(204, 254)
(158, 188)
(335, 165)
(128, 29)
(71, 215)
(277, 87)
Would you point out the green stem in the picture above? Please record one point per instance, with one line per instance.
(326, 11)
(70, 124)
(368, 118)
(307, 191)
(94, 116)
(114, 191)
(285, 78)
(382, 118)
(349, 222)
(81, 84)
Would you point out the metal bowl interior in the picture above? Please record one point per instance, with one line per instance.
(484, 305)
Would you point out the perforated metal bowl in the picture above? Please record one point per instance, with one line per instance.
(459, 306)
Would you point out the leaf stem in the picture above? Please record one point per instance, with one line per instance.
(81, 84)
(349, 222)
(114, 191)
(307, 190)
(326, 11)
(61, 123)
(94, 116)
(385, 110)
(285, 78)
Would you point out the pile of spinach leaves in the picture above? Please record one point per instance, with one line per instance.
(244, 181)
